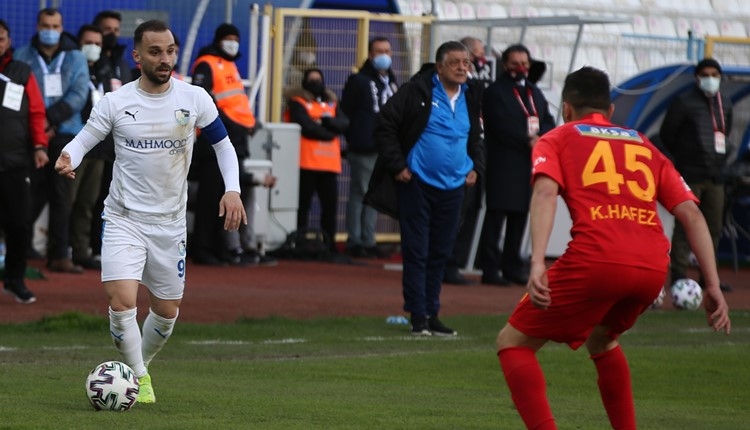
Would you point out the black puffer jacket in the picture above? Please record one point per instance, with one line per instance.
(687, 135)
(361, 101)
(400, 124)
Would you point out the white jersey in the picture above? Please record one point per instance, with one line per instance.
(154, 136)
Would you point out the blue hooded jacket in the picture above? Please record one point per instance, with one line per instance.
(63, 112)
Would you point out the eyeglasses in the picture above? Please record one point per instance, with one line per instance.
(455, 62)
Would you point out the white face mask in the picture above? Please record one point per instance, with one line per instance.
(230, 47)
(92, 52)
(709, 84)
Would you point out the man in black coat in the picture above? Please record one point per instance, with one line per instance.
(695, 135)
(364, 94)
(515, 115)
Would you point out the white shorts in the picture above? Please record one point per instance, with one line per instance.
(153, 254)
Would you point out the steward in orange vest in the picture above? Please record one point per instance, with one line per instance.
(215, 70)
(317, 112)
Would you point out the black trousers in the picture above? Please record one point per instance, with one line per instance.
(207, 239)
(428, 219)
(490, 256)
(15, 200)
(325, 184)
(47, 186)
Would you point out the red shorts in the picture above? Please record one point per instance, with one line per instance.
(585, 295)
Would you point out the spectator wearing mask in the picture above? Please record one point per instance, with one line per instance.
(61, 71)
(317, 111)
(364, 95)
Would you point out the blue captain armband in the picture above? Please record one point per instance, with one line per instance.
(215, 131)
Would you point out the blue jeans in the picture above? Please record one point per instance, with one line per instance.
(428, 218)
(360, 218)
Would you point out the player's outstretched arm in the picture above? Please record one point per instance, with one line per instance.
(691, 218)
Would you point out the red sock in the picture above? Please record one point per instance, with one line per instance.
(615, 388)
(527, 387)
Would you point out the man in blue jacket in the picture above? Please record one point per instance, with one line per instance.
(62, 72)
(429, 149)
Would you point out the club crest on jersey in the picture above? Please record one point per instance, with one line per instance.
(182, 116)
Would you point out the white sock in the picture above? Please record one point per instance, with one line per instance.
(156, 332)
(123, 327)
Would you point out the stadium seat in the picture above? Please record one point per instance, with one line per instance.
(682, 27)
(727, 7)
(448, 10)
(483, 11)
(466, 10)
(732, 29)
(416, 8)
(699, 6)
(667, 5)
(710, 28)
(640, 26)
(660, 26)
(516, 11)
(498, 11)
(628, 4)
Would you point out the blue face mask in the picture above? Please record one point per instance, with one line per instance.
(382, 62)
(49, 37)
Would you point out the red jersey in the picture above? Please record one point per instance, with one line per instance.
(611, 179)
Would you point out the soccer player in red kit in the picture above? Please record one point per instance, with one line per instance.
(611, 179)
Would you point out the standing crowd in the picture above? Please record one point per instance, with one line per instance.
(428, 152)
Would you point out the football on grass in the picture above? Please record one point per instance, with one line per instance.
(112, 386)
(686, 294)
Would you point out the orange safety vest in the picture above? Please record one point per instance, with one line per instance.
(315, 154)
(228, 91)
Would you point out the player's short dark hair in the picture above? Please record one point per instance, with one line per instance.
(4, 26)
(447, 47)
(47, 11)
(101, 16)
(587, 87)
(154, 25)
(375, 40)
(515, 48)
(86, 28)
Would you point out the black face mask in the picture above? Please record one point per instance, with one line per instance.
(315, 87)
(109, 41)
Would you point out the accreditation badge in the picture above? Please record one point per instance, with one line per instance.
(53, 85)
(720, 142)
(532, 123)
(13, 96)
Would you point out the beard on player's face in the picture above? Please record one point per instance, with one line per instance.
(153, 74)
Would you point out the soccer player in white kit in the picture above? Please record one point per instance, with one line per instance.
(153, 121)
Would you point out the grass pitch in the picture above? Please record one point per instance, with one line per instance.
(360, 373)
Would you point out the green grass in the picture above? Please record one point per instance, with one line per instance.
(360, 373)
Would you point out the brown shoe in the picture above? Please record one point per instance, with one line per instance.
(64, 265)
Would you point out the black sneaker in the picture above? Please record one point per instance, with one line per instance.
(257, 259)
(420, 326)
(438, 329)
(20, 292)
